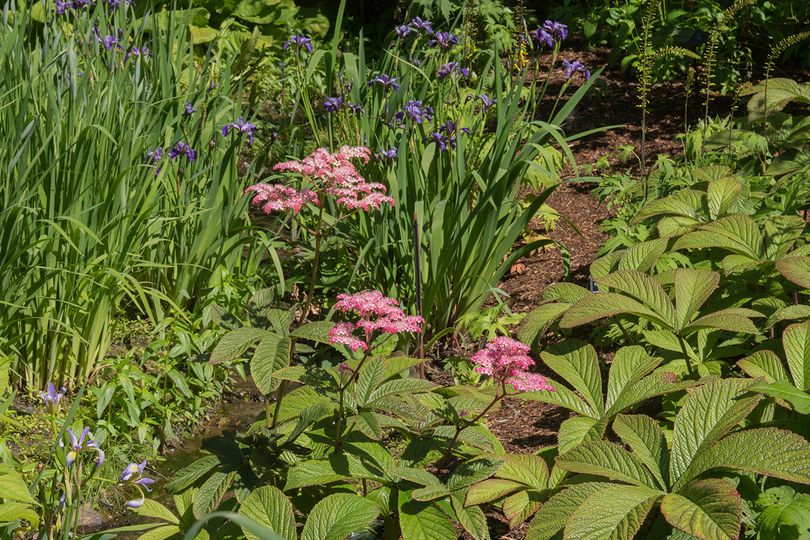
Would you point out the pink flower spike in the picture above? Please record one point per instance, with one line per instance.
(279, 198)
(529, 382)
(343, 334)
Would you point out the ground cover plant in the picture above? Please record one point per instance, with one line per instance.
(185, 217)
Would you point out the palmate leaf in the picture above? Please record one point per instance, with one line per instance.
(577, 430)
(708, 509)
(769, 451)
(553, 515)
(576, 362)
(796, 341)
(643, 288)
(692, 289)
(269, 507)
(606, 459)
(337, 516)
(646, 439)
(796, 269)
(710, 412)
(614, 513)
(737, 233)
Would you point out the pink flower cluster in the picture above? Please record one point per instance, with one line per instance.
(506, 360)
(337, 176)
(279, 198)
(377, 313)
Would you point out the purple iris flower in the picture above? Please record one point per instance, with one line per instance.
(299, 42)
(445, 40)
(416, 111)
(240, 126)
(420, 24)
(62, 7)
(356, 108)
(109, 42)
(441, 140)
(387, 155)
(542, 37)
(557, 30)
(136, 51)
(80, 4)
(333, 104)
(487, 102)
(386, 82)
(575, 67)
(133, 476)
(452, 67)
(403, 30)
(154, 156)
(188, 109)
(183, 149)
(79, 444)
(52, 397)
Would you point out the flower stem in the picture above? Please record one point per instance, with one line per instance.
(464, 424)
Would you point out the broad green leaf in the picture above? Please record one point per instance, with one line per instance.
(580, 429)
(11, 511)
(768, 451)
(764, 364)
(614, 513)
(709, 412)
(154, 509)
(692, 289)
(731, 320)
(211, 491)
(798, 399)
(317, 331)
(646, 439)
(527, 469)
(522, 505)
(422, 521)
(796, 341)
(430, 492)
(628, 367)
(312, 473)
(234, 344)
(562, 397)
(337, 516)
(161, 533)
(643, 288)
(722, 195)
(473, 471)
(785, 512)
(606, 459)
(576, 362)
(371, 375)
(412, 474)
(687, 203)
(471, 518)
(707, 509)
(271, 354)
(606, 304)
(269, 507)
(643, 255)
(656, 384)
(737, 233)
(565, 292)
(490, 490)
(540, 319)
(400, 386)
(796, 269)
(13, 487)
(555, 513)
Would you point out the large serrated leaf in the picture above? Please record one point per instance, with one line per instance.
(576, 362)
(628, 367)
(539, 320)
(707, 509)
(737, 233)
(606, 304)
(400, 386)
(580, 429)
(471, 518)
(643, 288)
(211, 492)
(614, 513)
(656, 384)
(189, 474)
(646, 439)
(731, 320)
(606, 459)
(796, 341)
(271, 354)
(317, 331)
(568, 293)
(554, 514)
(643, 255)
(490, 490)
(522, 505)
(764, 364)
(337, 516)
(796, 269)
(269, 507)
(527, 469)
(234, 344)
(722, 195)
(13, 486)
(371, 375)
(422, 521)
(709, 413)
(154, 509)
(692, 289)
(769, 451)
(686, 203)
(561, 396)
(473, 471)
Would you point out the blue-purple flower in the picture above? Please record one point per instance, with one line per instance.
(445, 40)
(333, 104)
(403, 30)
(542, 37)
(575, 67)
(183, 149)
(420, 24)
(385, 81)
(299, 42)
(63, 7)
(154, 157)
(445, 137)
(416, 111)
(188, 109)
(133, 476)
(356, 108)
(52, 397)
(487, 102)
(387, 155)
(240, 126)
(80, 444)
(557, 30)
(452, 67)
(109, 42)
(137, 51)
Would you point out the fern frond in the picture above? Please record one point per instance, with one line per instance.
(780, 47)
(670, 51)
